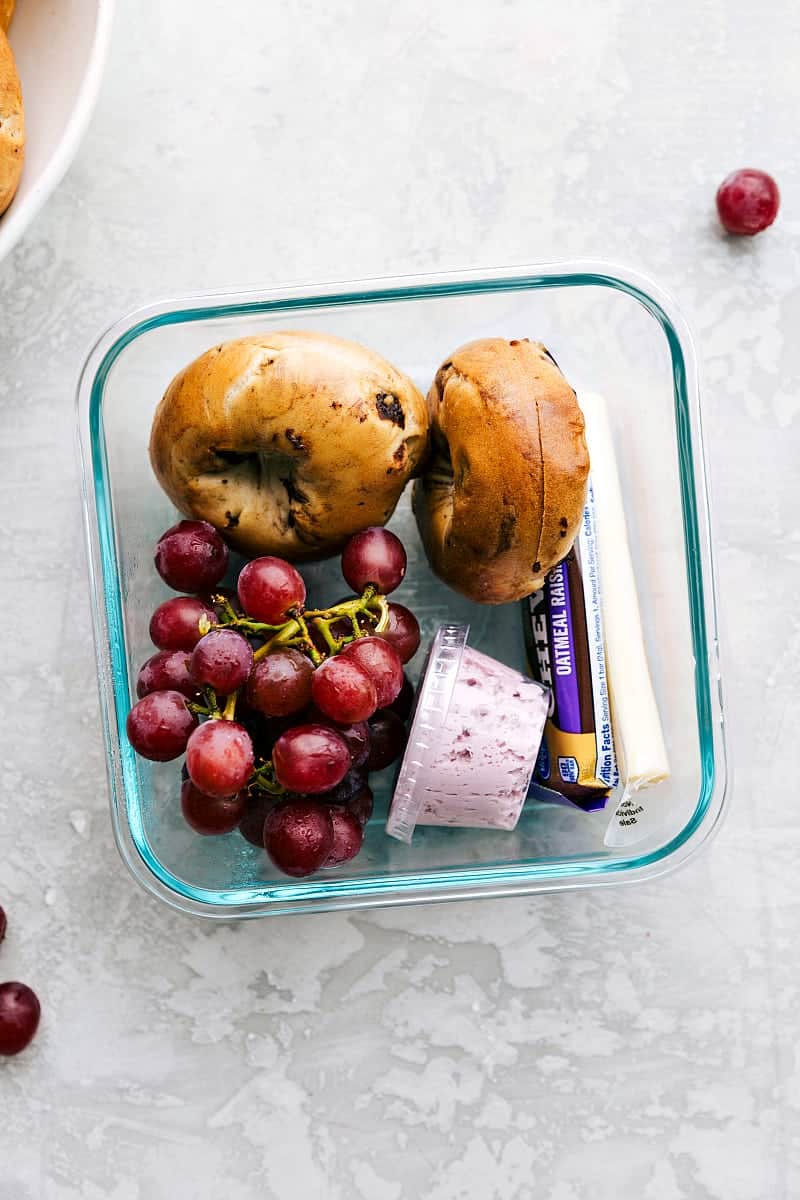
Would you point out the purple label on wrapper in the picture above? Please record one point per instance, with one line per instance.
(564, 643)
(562, 652)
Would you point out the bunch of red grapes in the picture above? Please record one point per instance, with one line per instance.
(282, 711)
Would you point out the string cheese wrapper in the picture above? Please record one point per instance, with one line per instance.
(638, 738)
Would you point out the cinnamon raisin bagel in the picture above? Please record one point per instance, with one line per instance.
(12, 125)
(288, 442)
(502, 498)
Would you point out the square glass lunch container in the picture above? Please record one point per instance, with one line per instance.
(610, 331)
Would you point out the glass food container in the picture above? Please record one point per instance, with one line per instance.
(611, 331)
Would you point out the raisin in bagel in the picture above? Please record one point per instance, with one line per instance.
(288, 442)
(502, 499)
(12, 125)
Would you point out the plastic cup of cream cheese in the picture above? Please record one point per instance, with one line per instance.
(473, 742)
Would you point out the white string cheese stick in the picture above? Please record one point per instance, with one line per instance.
(638, 737)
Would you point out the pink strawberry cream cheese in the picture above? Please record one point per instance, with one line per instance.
(473, 743)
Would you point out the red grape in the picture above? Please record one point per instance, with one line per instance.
(298, 836)
(374, 556)
(222, 660)
(3, 923)
(280, 684)
(404, 702)
(748, 201)
(357, 738)
(352, 783)
(361, 804)
(381, 662)
(402, 632)
(210, 815)
(19, 1016)
(387, 739)
(251, 825)
(269, 588)
(348, 836)
(310, 759)
(356, 735)
(191, 556)
(343, 690)
(353, 793)
(175, 623)
(167, 671)
(159, 726)
(219, 758)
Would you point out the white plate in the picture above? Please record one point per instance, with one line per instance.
(60, 48)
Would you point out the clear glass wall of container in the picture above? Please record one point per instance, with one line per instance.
(610, 331)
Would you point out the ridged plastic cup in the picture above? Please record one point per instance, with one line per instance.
(473, 743)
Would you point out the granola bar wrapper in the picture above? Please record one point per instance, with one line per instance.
(564, 638)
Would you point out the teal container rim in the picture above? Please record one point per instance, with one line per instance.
(480, 880)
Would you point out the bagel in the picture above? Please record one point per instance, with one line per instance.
(503, 497)
(12, 125)
(288, 442)
(6, 13)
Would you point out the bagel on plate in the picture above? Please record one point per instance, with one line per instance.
(288, 442)
(503, 495)
(12, 125)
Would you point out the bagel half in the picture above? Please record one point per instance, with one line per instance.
(502, 499)
(288, 442)
(12, 125)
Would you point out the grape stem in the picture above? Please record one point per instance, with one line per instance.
(371, 606)
(264, 779)
(305, 642)
(210, 706)
(294, 632)
(324, 627)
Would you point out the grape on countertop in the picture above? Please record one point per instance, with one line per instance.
(748, 202)
(19, 1016)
